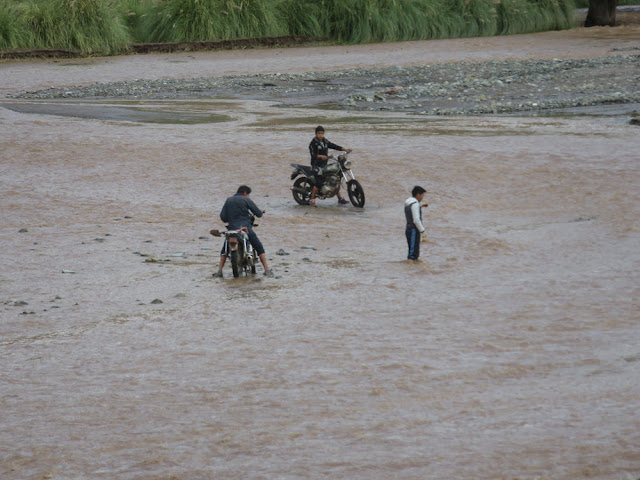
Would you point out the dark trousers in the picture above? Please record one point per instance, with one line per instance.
(413, 242)
(253, 239)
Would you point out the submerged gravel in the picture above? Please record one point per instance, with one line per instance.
(464, 88)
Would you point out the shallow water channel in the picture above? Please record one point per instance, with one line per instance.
(511, 351)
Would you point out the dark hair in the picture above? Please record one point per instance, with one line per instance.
(319, 128)
(244, 189)
(417, 190)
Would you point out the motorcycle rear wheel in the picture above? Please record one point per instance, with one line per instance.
(356, 193)
(301, 185)
(234, 264)
(254, 257)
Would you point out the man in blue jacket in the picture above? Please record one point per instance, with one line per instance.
(236, 212)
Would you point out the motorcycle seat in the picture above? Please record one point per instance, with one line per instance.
(305, 168)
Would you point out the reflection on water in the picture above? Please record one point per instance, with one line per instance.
(509, 352)
(139, 111)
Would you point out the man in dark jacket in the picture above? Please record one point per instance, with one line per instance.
(319, 150)
(236, 212)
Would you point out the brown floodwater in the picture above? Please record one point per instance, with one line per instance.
(510, 352)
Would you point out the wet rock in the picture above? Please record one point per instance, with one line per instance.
(634, 121)
(23, 230)
(308, 247)
(99, 239)
(68, 271)
(180, 295)
(157, 301)
(306, 260)
(281, 252)
(20, 303)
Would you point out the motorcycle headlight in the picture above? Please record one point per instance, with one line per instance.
(347, 164)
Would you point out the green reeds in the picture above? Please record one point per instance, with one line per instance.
(133, 13)
(205, 20)
(362, 21)
(88, 26)
(13, 33)
(106, 26)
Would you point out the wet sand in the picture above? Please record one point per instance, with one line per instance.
(510, 352)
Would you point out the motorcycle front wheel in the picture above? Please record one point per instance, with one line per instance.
(234, 263)
(302, 191)
(356, 193)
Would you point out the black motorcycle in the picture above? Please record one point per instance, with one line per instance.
(238, 249)
(337, 170)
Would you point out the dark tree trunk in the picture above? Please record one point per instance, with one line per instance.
(602, 13)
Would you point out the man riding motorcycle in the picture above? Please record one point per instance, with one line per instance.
(236, 212)
(319, 150)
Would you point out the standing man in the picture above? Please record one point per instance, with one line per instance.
(236, 212)
(319, 150)
(415, 230)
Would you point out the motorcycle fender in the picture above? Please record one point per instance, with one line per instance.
(233, 244)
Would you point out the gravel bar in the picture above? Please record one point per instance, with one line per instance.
(462, 88)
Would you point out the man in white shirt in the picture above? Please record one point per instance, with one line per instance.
(414, 230)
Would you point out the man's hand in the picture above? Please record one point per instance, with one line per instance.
(424, 237)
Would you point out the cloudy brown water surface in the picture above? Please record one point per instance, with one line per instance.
(511, 351)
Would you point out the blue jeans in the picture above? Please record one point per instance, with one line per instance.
(413, 241)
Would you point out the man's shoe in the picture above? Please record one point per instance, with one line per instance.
(343, 201)
(218, 274)
(268, 273)
(312, 203)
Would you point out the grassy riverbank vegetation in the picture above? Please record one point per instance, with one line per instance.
(108, 26)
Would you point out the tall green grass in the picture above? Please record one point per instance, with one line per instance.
(133, 13)
(361, 21)
(203, 20)
(89, 26)
(107, 26)
(13, 32)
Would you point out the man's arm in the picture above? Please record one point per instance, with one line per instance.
(333, 146)
(415, 213)
(223, 213)
(254, 208)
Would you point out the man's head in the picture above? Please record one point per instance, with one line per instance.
(319, 132)
(244, 190)
(418, 190)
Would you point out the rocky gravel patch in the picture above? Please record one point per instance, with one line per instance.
(463, 88)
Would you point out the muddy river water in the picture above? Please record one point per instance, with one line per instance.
(510, 352)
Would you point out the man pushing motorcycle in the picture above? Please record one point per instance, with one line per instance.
(319, 150)
(237, 211)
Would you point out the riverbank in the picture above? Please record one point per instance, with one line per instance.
(521, 73)
(461, 88)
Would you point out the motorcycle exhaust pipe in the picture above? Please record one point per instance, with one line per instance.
(299, 190)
